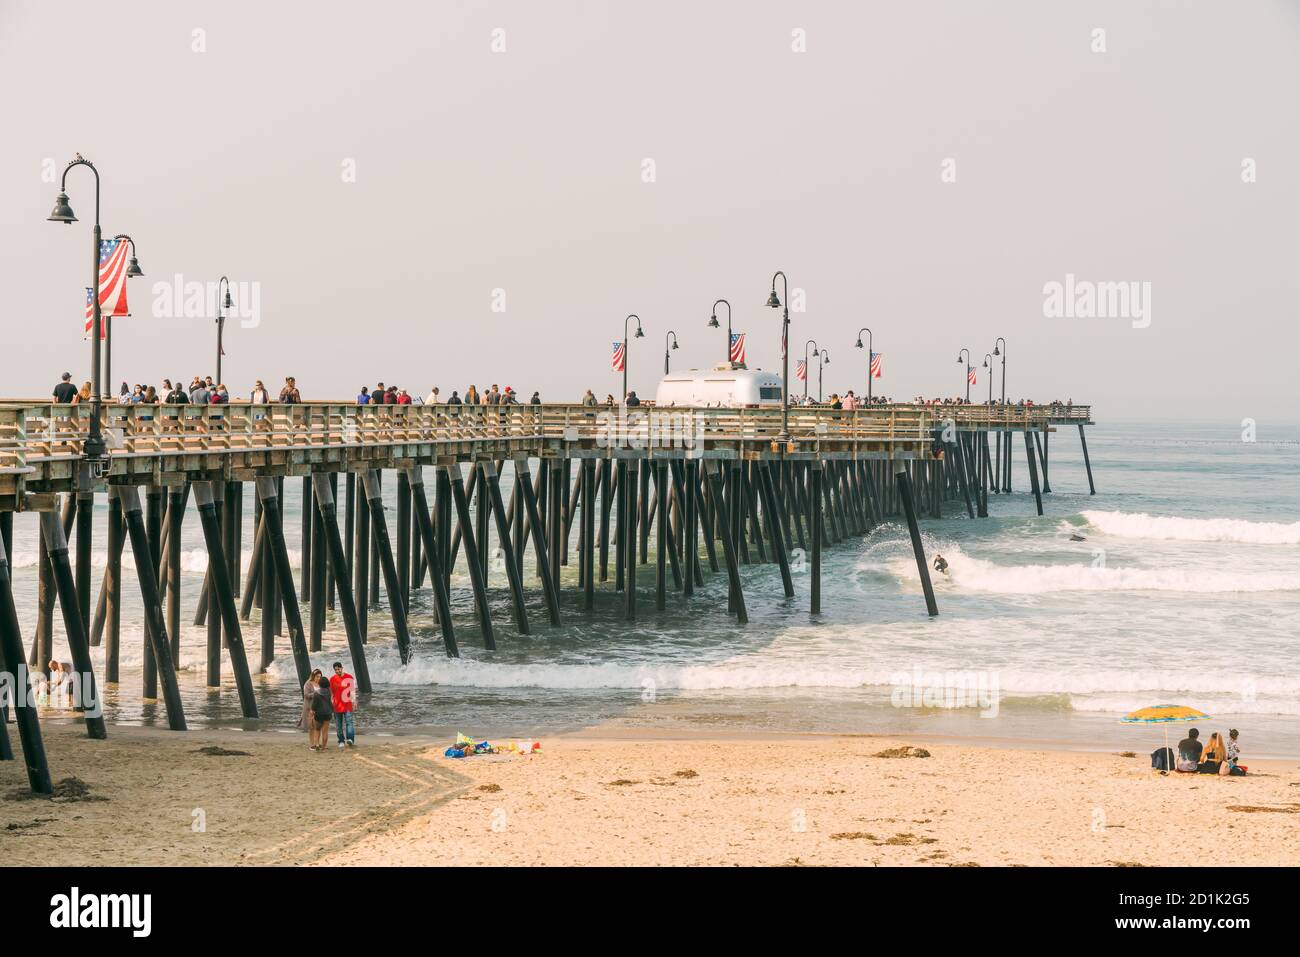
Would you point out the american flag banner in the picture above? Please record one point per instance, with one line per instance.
(801, 370)
(737, 347)
(90, 316)
(876, 365)
(619, 361)
(112, 277)
(970, 375)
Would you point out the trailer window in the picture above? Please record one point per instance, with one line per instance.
(769, 392)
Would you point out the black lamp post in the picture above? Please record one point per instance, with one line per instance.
(94, 449)
(671, 335)
(968, 370)
(713, 323)
(626, 350)
(132, 270)
(871, 355)
(775, 303)
(807, 366)
(1003, 354)
(826, 360)
(988, 364)
(221, 321)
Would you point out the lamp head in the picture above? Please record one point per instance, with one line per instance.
(62, 211)
(229, 303)
(772, 300)
(713, 321)
(133, 268)
(995, 351)
(858, 344)
(639, 333)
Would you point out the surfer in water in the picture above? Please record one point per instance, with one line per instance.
(940, 564)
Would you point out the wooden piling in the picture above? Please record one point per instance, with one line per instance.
(282, 592)
(432, 555)
(11, 657)
(329, 530)
(379, 534)
(222, 599)
(147, 574)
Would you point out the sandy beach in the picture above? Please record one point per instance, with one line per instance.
(153, 797)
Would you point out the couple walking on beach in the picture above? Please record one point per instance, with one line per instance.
(324, 699)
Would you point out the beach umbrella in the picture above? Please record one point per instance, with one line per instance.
(1165, 714)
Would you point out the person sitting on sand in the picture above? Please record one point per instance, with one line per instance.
(940, 564)
(1213, 755)
(1189, 752)
(1232, 754)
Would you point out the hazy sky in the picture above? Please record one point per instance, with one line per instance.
(525, 171)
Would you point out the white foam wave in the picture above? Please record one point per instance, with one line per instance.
(1169, 528)
(966, 573)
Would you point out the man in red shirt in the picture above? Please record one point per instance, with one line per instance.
(343, 691)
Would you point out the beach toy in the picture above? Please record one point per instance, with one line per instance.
(454, 753)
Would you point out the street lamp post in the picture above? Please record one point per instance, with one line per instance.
(807, 365)
(132, 270)
(671, 335)
(871, 355)
(988, 364)
(1003, 354)
(713, 323)
(1004, 437)
(968, 370)
(626, 350)
(94, 449)
(775, 303)
(221, 321)
(826, 360)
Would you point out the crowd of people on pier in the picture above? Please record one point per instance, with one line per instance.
(203, 390)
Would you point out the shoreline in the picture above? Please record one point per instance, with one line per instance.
(616, 795)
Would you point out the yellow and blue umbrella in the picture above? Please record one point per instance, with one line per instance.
(1165, 714)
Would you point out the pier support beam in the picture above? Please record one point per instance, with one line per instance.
(11, 657)
(1033, 470)
(74, 626)
(587, 553)
(630, 537)
(918, 547)
(774, 526)
(1083, 442)
(276, 562)
(147, 574)
(728, 545)
(815, 526)
(113, 591)
(379, 533)
(433, 559)
(477, 579)
(222, 597)
(513, 576)
(549, 586)
(329, 529)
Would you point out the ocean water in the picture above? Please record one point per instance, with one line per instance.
(1186, 590)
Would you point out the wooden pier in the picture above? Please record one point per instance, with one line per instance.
(716, 489)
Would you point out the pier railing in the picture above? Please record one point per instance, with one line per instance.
(35, 438)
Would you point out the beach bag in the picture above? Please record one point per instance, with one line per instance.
(1162, 759)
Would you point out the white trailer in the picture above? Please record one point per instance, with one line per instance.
(720, 387)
